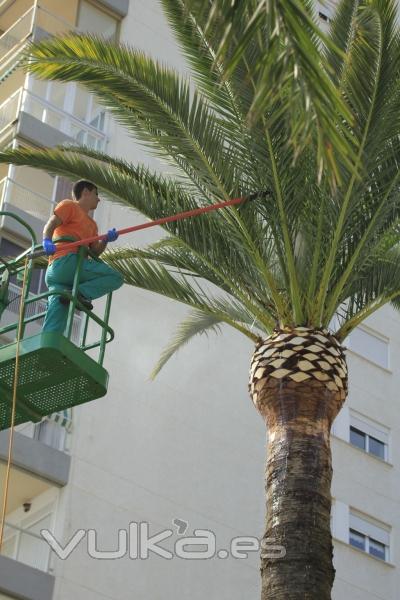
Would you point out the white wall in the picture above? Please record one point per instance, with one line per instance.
(362, 481)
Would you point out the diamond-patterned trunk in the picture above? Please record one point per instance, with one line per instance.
(298, 383)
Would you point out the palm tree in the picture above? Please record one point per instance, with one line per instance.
(312, 123)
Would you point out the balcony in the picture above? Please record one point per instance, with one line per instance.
(80, 132)
(33, 25)
(16, 197)
(25, 558)
(31, 206)
(38, 466)
(9, 110)
(36, 120)
(37, 22)
(26, 546)
(20, 581)
(52, 431)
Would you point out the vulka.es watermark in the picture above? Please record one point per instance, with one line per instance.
(137, 543)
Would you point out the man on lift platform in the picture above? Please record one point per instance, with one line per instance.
(71, 222)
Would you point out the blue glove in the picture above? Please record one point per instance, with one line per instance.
(48, 246)
(112, 235)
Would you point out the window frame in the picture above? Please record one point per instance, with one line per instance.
(370, 430)
(352, 531)
(370, 530)
(367, 544)
(324, 17)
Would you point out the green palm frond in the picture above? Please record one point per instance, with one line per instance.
(128, 184)
(229, 97)
(174, 262)
(371, 289)
(154, 277)
(376, 226)
(290, 68)
(197, 323)
(199, 50)
(271, 105)
(342, 34)
(245, 285)
(153, 102)
(222, 238)
(365, 71)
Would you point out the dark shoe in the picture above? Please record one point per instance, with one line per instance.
(84, 301)
(63, 300)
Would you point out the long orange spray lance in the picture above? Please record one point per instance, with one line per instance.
(177, 217)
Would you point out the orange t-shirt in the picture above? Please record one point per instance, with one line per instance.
(76, 223)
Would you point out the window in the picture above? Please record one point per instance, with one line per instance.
(358, 540)
(325, 11)
(50, 433)
(94, 20)
(371, 346)
(366, 442)
(86, 109)
(63, 189)
(51, 91)
(73, 100)
(369, 436)
(377, 549)
(376, 447)
(369, 536)
(357, 438)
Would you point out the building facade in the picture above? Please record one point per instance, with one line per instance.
(185, 452)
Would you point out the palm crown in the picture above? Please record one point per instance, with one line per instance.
(309, 121)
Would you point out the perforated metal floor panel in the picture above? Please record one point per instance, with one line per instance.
(53, 375)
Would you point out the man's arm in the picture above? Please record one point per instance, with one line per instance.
(50, 227)
(98, 247)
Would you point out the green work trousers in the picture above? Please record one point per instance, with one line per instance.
(96, 280)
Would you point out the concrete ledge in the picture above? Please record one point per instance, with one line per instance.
(39, 34)
(40, 134)
(23, 582)
(12, 224)
(35, 457)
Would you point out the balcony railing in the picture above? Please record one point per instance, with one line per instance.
(26, 547)
(44, 111)
(13, 40)
(9, 110)
(47, 432)
(19, 196)
(17, 34)
(81, 132)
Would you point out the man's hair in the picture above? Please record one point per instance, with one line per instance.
(80, 185)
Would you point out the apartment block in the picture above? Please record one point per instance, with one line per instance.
(185, 452)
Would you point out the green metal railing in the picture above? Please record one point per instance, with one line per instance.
(16, 267)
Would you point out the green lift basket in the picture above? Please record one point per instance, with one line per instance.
(54, 373)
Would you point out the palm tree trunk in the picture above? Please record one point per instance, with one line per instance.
(298, 384)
